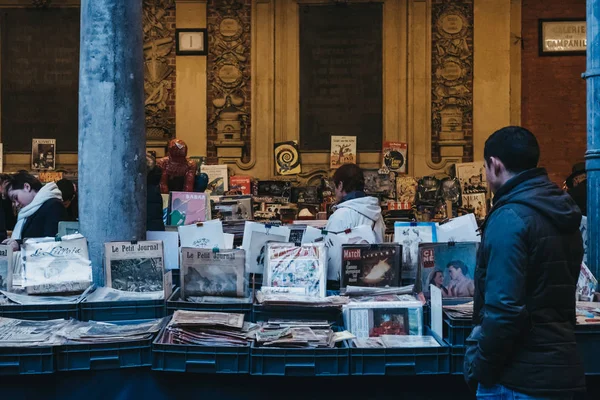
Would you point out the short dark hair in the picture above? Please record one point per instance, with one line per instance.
(352, 177)
(66, 188)
(515, 146)
(17, 181)
(459, 265)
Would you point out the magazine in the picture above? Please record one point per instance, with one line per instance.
(218, 181)
(188, 208)
(43, 154)
(394, 156)
(409, 235)
(375, 265)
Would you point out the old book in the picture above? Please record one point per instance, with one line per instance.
(135, 266)
(376, 265)
(343, 151)
(205, 272)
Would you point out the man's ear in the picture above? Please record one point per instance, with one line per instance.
(27, 187)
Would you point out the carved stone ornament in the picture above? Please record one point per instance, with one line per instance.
(452, 82)
(229, 76)
(159, 39)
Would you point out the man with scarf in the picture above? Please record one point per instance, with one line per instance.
(40, 207)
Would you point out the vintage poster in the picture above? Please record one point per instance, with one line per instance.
(43, 154)
(374, 265)
(52, 266)
(213, 273)
(406, 189)
(256, 236)
(287, 158)
(477, 203)
(449, 267)
(394, 156)
(6, 267)
(135, 266)
(305, 266)
(409, 235)
(472, 177)
(188, 208)
(218, 180)
(343, 151)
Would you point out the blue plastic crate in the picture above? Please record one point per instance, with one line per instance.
(401, 361)
(121, 310)
(456, 331)
(175, 303)
(588, 337)
(457, 360)
(26, 361)
(40, 312)
(300, 362)
(103, 356)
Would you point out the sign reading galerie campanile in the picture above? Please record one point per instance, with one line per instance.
(559, 37)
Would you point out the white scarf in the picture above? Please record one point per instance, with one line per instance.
(47, 192)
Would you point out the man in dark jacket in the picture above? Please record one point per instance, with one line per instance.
(154, 204)
(527, 270)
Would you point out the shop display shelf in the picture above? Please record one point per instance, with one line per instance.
(457, 354)
(176, 303)
(121, 310)
(588, 339)
(104, 356)
(300, 362)
(401, 361)
(26, 361)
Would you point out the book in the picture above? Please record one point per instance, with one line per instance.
(218, 181)
(43, 154)
(205, 272)
(135, 266)
(287, 158)
(188, 208)
(377, 265)
(241, 183)
(6, 267)
(394, 156)
(343, 151)
(448, 266)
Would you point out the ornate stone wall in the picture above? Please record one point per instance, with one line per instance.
(452, 80)
(229, 76)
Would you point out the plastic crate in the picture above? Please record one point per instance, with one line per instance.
(40, 312)
(401, 361)
(26, 361)
(300, 362)
(200, 359)
(121, 310)
(456, 331)
(457, 360)
(588, 337)
(103, 356)
(175, 303)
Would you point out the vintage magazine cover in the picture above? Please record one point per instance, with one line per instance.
(256, 236)
(305, 266)
(241, 183)
(394, 156)
(188, 208)
(287, 158)
(374, 319)
(52, 266)
(43, 154)
(218, 180)
(6, 267)
(409, 235)
(343, 151)
(406, 189)
(135, 266)
(472, 177)
(205, 272)
(448, 266)
(375, 265)
(476, 202)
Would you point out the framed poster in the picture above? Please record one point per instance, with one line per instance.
(561, 37)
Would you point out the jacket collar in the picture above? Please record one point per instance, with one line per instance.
(357, 194)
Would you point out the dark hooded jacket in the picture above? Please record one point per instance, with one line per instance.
(154, 204)
(524, 303)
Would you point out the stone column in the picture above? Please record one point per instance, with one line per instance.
(112, 162)
(592, 155)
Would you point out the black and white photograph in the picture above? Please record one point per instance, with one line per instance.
(208, 273)
(135, 267)
(472, 177)
(373, 265)
(43, 154)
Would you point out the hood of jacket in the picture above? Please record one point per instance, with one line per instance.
(366, 206)
(533, 188)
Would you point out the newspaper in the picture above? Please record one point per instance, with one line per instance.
(291, 299)
(205, 272)
(23, 333)
(135, 266)
(362, 291)
(205, 318)
(220, 300)
(103, 332)
(23, 299)
(409, 341)
(110, 294)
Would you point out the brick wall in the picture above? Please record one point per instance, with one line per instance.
(553, 94)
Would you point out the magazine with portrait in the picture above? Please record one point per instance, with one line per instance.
(305, 266)
(135, 266)
(448, 266)
(6, 267)
(375, 319)
(52, 266)
(409, 235)
(43, 154)
(371, 265)
(205, 272)
(256, 236)
(187, 208)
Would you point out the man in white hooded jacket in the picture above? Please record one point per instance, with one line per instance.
(354, 208)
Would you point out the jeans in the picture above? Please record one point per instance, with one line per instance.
(499, 392)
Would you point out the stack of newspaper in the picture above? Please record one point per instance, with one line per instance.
(209, 329)
(299, 334)
(22, 333)
(102, 332)
(391, 341)
(459, 311)
(291, 299)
